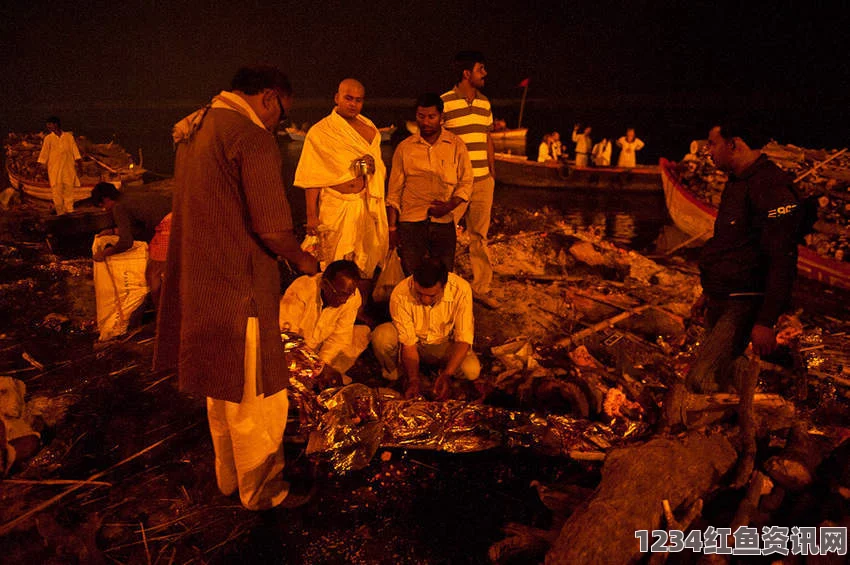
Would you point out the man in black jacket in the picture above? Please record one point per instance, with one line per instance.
(748, 267)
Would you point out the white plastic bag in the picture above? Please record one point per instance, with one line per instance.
(119, 285)
(390, 276)
(310, 244)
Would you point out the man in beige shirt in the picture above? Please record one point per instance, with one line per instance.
(432, 323)
(431, 176)
(322, 309)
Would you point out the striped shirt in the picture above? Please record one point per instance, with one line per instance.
(472, 123)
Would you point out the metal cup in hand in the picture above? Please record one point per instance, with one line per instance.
(361, 167)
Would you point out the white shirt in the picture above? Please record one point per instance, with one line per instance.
(582, 141)
(602, 153)
(450, 319)
(627, 151)
(328, 331)
(58, 154)
(543, 152)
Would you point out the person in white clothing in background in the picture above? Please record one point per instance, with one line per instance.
(544, 152)
(602, 153)
(584, 143)
(629, 145)
(60, 154)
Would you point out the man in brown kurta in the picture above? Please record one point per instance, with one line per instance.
(218, 318)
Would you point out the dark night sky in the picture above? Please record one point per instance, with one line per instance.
(667, 69)
(164, 51)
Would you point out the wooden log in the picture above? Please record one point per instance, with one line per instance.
(747, 373)
(682, 408)
(562, 499)
(794, 468)
(610, 322)
(523, 541)
(635, 480)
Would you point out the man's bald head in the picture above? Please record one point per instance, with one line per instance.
(349, 98)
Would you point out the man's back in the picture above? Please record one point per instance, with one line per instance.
(229, 189)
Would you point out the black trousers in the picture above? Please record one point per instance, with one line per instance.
(426, 238)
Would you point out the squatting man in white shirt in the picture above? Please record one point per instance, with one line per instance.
(432, 324)
(322, 308)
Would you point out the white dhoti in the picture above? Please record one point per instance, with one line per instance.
(59, 154)
(248, 437)
(331, 146)
(347, 230)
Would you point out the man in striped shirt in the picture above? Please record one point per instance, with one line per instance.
(467, 114)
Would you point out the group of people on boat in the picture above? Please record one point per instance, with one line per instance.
(588, 153)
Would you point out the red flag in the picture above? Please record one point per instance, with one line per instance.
(524, 83)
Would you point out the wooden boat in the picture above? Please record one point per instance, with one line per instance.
(696, 218)
(41, 189)
(101, 162)
(509, 140)
(518, 170)
(509, 134)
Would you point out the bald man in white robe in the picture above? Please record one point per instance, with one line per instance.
(344, 176)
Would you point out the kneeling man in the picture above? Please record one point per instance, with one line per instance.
(322, 308)
(432, 322)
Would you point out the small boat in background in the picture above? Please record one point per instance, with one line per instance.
(517, 170)
(100, 162)
(509, 140)
(296, 134)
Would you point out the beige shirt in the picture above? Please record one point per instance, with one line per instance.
(450, 319)
(327, 331)
(422, 173)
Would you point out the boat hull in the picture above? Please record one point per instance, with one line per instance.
(519, 171)
(509, 141)
(42, 190)
(696, 218)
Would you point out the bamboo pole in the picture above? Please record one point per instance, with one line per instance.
(687, 242)
(819, 165)
(8, 526)
(567, 341)
(55, 482)
(522, 106)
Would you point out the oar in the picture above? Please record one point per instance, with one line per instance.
(102, 164)
(819, 165)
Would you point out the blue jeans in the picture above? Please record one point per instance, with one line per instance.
(728, 323)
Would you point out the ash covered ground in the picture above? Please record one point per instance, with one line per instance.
(137, 460)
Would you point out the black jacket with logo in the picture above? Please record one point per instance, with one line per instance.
(754, 248)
